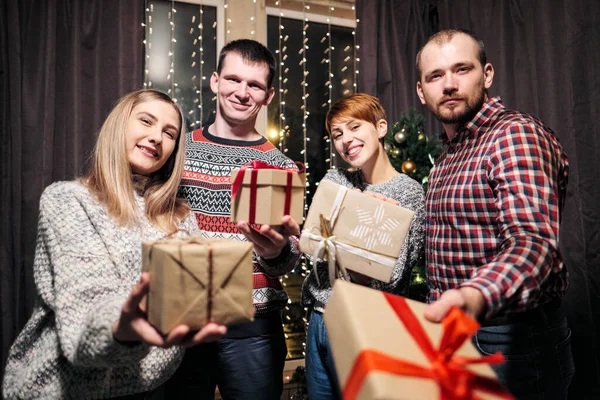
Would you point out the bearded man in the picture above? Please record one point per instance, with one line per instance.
(493, 206)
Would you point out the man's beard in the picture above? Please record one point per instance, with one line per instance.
(471, 109)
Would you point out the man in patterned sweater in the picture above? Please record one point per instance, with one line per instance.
(248, 362)
(493, 211)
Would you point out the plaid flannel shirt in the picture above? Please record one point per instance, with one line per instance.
(493, 211)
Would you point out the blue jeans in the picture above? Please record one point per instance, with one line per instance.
(243, 368)
(321, 378)
(539, 363)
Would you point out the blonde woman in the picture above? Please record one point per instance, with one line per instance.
(87, 337)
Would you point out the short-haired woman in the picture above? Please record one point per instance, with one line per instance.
(357, 126)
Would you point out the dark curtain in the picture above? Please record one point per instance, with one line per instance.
(545, 53)
(389, 35)
(63, 64)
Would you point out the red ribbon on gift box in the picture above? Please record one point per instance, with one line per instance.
(446, 369)
(255, 167)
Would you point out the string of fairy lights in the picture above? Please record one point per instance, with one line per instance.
(171, 75)
(197, 80)
(355, 56)
(305, 138)
(330, 50)
(282, 79)
(147, 24)
(305, 94)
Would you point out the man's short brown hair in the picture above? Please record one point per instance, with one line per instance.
(445, 36)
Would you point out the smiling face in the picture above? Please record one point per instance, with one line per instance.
(151, 136)
(453, 82)
(357, 141)
(241, 88)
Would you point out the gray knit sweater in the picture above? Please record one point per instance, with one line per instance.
(409, 193)
(85, 267)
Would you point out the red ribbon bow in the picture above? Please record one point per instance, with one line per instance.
(255, 166)
(446, 369)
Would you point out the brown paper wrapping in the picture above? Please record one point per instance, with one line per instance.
(270, 197)
(360, 318)
(363, 223)
(184, 291)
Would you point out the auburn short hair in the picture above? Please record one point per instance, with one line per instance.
(358, 106)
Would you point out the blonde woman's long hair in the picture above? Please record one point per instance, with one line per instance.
(110, 176)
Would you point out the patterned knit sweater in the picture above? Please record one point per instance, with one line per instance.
(207, 188)
(406, 191)
(85, 267)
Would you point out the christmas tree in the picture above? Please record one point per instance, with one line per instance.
(410, 150)
(414, 154)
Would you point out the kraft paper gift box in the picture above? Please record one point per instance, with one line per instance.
(362, 233)
(383, 348)
(264, 194)
(194, 281)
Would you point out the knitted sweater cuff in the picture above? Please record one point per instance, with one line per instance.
(99, 347)
(285, 261)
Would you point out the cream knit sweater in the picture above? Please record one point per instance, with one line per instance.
(85, 267)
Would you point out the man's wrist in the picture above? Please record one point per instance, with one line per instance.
(475, 304)
(283, 255)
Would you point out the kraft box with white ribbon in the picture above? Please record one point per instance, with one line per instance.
(351, 230)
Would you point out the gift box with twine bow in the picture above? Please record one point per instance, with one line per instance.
(194, 281)
(354, 231)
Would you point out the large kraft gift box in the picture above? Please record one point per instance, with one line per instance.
(383, 348)
(194, 281)
(363, 234)
(264, 194)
